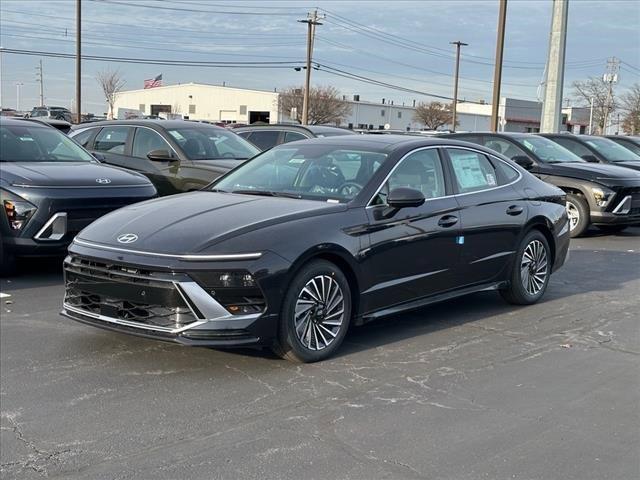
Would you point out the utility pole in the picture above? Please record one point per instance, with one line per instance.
(610, 77)
(18, 85)
(552, 105)
(311, 21)
(497, 71)
(458, 44)
(78, 61)
(40, 79)
(591, 117)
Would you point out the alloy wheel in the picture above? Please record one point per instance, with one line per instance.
(319, 312)
(534, 267)
(574, 215)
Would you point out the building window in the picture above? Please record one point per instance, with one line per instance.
(243, 109)
(382, 113)
(192, 109)
(564, 119)
(141, 107)
(350, 127)
(399, 114)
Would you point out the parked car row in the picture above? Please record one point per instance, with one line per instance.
(310, 236)
(604, 195)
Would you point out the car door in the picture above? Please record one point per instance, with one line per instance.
(413, 252)
(113, 143)
(492, 213)
(165, 174)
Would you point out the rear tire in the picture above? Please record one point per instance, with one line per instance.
(578, 212)
(315, 315)
(530, 271)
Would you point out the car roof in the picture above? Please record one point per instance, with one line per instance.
(157, 124)
(315, 129)
(21, 121)
(329, 129)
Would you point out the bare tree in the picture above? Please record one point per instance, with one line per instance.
(325, 105)
(434, 115)
(604, 102)
(630, 105)
(111, 83)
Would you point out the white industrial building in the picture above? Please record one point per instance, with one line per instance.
(219, 103)
(203, 102)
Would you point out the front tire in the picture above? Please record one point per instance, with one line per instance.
(530, 272)
(315, 315)
(578, 213)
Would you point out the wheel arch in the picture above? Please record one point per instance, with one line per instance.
(544, 226)
(342, 259)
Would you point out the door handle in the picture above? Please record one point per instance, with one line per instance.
(448, 221)
(515, 210)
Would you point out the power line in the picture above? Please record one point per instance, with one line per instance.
(177, 9)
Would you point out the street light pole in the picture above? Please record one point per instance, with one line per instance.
(311, 22)
(497, 72)
(18, 85)
(78, 61)
(458, 44)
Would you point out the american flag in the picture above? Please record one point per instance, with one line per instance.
(153, 82)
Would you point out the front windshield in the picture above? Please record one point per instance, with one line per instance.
(312, 171)
(611, 150)
(548, 151)
(204, 143)
(35, 143)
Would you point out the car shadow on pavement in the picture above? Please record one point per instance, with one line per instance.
(34, 272)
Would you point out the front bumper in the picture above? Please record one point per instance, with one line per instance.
(624, 210)
(162, 304)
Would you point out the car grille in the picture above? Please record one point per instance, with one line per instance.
(125, 294)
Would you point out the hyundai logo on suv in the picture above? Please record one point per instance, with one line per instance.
(103, 181)
(127, 238)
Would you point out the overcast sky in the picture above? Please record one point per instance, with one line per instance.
(403, 43)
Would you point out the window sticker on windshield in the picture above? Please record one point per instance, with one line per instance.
(469, 172)
(491, 179)
(177, 135)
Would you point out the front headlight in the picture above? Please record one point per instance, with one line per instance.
(602, 195)
(17, 210)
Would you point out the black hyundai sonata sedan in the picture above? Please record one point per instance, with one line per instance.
(294, 246)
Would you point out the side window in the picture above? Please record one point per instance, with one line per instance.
(147, 140)
(421, 170)
(506, 173)
(504, 147)
(111, 140)
(84, 136)
(293, 136)
(573, 146)
(264, 140)
(472, 171)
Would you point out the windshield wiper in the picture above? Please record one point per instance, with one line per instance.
(266, 193)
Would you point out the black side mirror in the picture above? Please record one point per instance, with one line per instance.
(160, 156)
(590, 158)
(398, 198)
(524, 161)
(98, 156)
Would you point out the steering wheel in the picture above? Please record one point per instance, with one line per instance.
(349, 189)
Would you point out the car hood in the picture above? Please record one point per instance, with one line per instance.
(68, 174)
(635, 164)
(605, 174)
(194, 222)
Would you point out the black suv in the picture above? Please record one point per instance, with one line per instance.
(606, 196)
(596, 149)
(177, 156)
(50, 189)
(268, 136)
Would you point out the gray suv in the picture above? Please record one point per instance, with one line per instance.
(51, 113)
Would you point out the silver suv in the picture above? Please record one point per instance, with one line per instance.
(53, 113)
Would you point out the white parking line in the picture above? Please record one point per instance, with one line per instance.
(4, 295)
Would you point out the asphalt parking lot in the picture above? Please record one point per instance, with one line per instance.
(467, 389)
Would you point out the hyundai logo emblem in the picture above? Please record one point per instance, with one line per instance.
(127, 238)
(103, 181)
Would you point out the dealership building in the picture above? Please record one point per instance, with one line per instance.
(220, 103)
